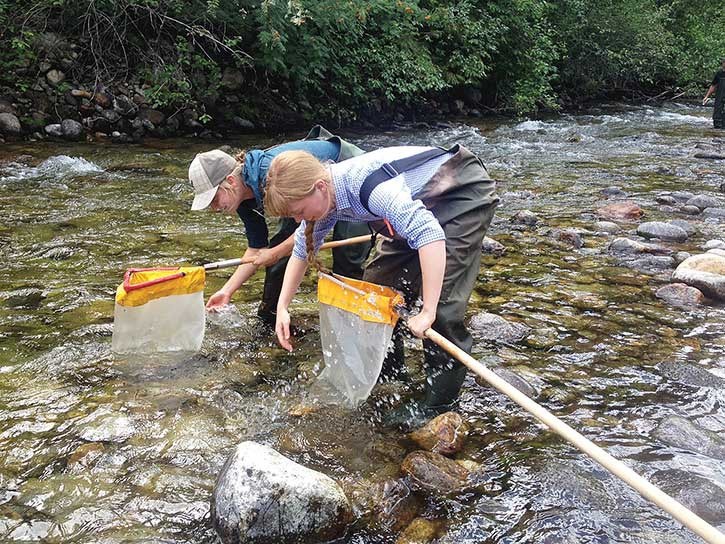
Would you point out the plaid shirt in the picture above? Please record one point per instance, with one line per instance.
(393, 199)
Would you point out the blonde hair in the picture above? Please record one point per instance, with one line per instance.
(291, 177)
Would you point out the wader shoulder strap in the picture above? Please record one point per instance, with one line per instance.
(390, 170)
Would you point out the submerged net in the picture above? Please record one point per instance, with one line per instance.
(159, 309)
(356, 325)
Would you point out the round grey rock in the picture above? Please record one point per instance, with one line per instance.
(495, 328)
(54, 130)
(682, 196)
(663, 231)
(714, 244)
(690, 210)
(72, 129)
(607, 226)
(633, 247)
(525, 217)
(688, 227)
(492, 247)
(10, 124)
(704, 201)
(666, 199)
(717, 213)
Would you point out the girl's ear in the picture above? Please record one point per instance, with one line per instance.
(321, 184)
(231, 178)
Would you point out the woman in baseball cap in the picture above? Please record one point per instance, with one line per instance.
(236, 184)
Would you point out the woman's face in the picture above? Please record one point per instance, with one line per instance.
(227, 199)
(314, 206)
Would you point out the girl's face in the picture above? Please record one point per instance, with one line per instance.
(314, 206)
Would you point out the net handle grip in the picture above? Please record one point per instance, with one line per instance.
(326, 245)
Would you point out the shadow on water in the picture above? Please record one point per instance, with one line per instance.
(103, 448)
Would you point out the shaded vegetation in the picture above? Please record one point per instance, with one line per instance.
(345, 59)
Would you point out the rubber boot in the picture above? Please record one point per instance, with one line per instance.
(443, 383)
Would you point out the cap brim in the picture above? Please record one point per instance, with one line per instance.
(202, 200)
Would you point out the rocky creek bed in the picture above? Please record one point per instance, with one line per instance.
(600, 296)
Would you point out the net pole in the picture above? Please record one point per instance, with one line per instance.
(327, 245)
(645, 488)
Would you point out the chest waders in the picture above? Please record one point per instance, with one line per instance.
(462, 197)
(347, 260)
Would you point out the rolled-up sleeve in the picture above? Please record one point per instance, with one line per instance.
(409, 217)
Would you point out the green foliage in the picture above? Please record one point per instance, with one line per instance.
(171, 83)
(342, 58)
(614, 45)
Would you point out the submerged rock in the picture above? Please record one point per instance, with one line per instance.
(261, 496)
(513, 379)
(444, 434)
(627, 246)
(433, 473)
(682, 196)
(681, 433)
(715, 213)
(495, 328)
(650, 264)
(29, 297)
(492, 247)
(690, 374)
(391, 504)
(663, 231)
(568, 236)
(613, 192)
(699, 494)
(525, 217)
(706, 272)
(680, 294)
(620, 210)
(420, 531)
(703, 202)
(607, 226)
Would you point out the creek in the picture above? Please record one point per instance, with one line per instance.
(100, 448)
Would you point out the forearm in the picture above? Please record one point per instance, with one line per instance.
(709, 92)
(293, 275)
(285, 248)
(241, 274)
(433, 267)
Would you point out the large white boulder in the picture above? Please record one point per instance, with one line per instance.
(706, 272)
(261, 496)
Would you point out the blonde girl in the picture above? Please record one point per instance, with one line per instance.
(437, 203)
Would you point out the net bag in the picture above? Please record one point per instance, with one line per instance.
(159, 309)
(356, 325)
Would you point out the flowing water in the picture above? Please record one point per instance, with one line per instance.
(100, 448)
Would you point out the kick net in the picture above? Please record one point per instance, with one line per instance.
(356, 325)
(159, 309)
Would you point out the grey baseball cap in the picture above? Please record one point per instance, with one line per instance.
(206, 172)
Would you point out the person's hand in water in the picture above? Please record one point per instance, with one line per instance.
(282, 329)
(218, 300)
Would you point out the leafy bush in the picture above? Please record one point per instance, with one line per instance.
(342, 58)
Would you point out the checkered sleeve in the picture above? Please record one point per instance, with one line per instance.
(408, 217)
(322, 227)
